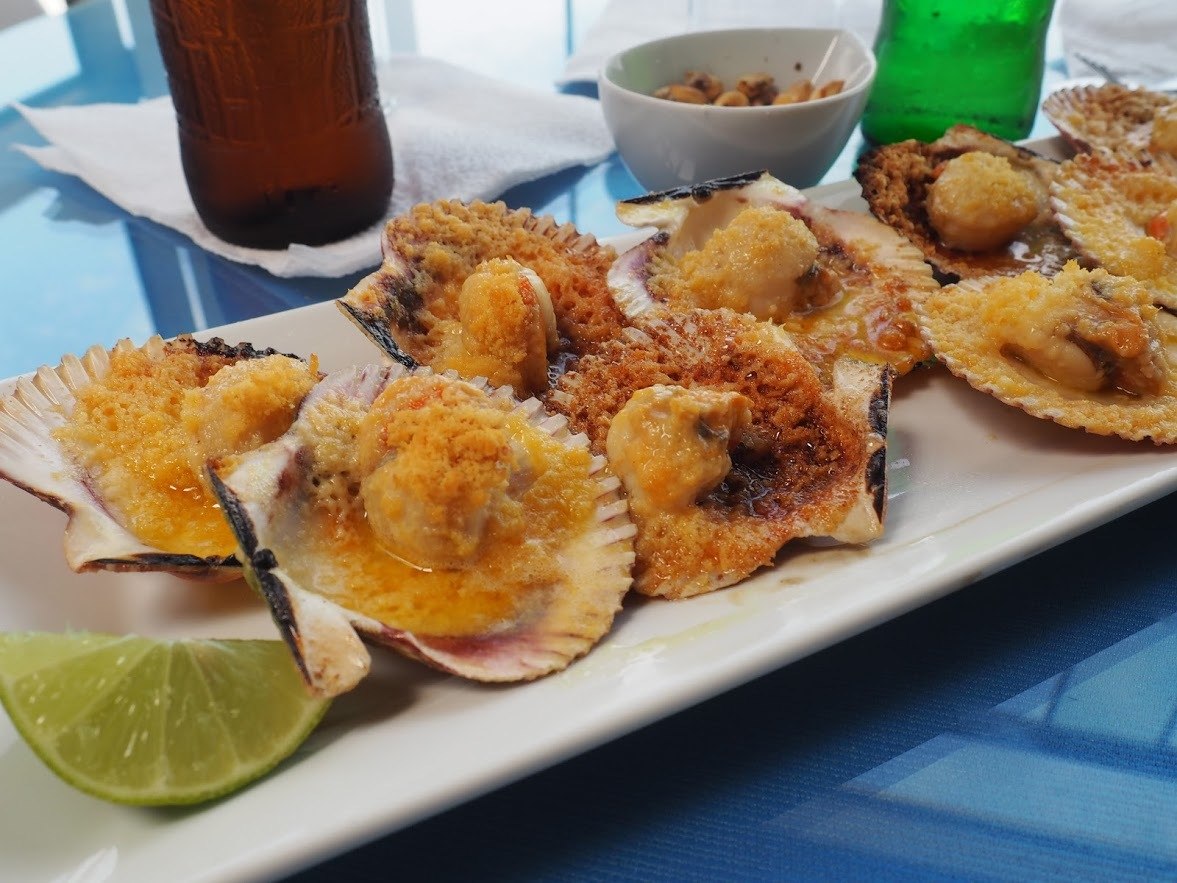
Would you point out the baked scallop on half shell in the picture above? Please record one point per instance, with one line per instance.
(975, 205)
(1084, 348)
(117, 439)
(1113, 116)
(729, 445)
(487, 292)
(440, 517)
(840, 282)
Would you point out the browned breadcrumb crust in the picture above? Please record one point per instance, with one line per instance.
(1105, 202)
(1111, 116)
(794, 473)
(895, 179)
(441, 243)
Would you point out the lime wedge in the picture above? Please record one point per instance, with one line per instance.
(137, 720)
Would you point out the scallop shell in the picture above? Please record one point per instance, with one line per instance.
(814, 459)
(428, 253)
(1104, 201)
(866, 275)
(953, 321)
(265, 495)
(97, 537)
(1110, 116)
(895, 179)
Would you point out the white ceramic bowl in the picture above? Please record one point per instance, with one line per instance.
(670, 144)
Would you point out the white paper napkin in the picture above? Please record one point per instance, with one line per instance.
(625, 23)
(455, 134)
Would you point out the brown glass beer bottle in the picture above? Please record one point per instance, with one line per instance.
(281, 133)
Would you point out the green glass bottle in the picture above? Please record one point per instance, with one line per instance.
(943, 62)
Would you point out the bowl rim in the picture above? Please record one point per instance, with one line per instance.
(605, 80)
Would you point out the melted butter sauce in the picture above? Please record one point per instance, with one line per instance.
(343, 560)
(851, 313)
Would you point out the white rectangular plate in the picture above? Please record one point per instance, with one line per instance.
(974, 487)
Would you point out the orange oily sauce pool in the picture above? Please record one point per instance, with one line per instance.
(518, 563)
(856, 312)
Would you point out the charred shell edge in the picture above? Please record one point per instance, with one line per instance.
(385, 304)
(324, 636)
(216, 346)
(865, 390)
(666, 209)
(31, 459)
(698, 192)
(377, 331)
(326, 648)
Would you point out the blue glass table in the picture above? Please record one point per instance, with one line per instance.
(1024, 727)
